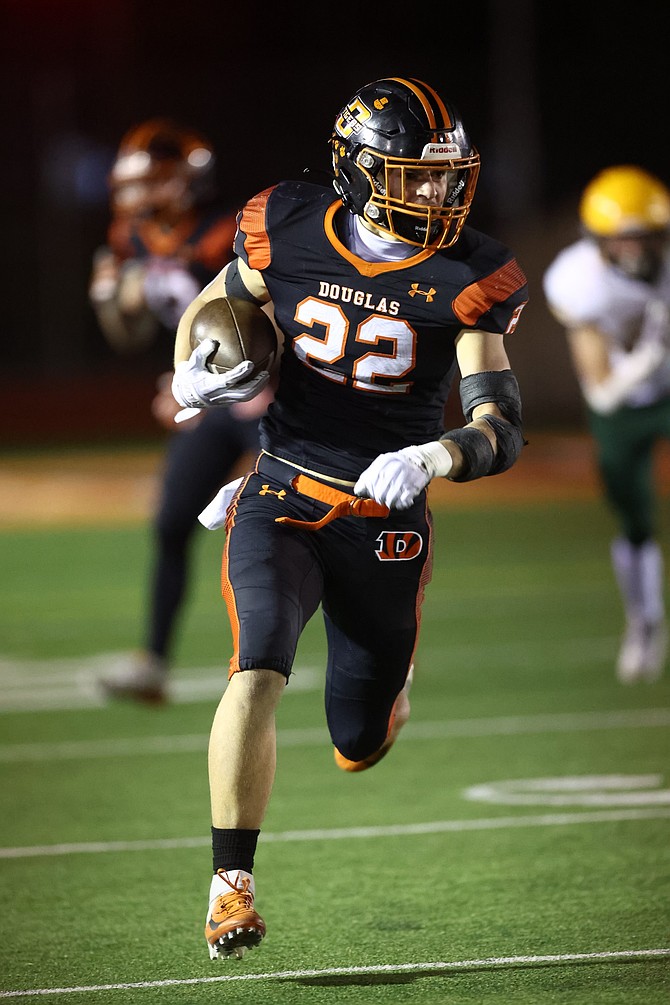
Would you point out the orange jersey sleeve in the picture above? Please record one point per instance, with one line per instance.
(253, 232)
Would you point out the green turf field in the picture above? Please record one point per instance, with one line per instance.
(513, 848)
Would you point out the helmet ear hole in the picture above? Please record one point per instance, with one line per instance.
(351, 184)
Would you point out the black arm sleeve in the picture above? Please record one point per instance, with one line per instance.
(235, 287)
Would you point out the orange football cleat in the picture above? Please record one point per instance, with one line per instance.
(232, 924)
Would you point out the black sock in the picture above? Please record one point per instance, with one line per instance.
(233, 849)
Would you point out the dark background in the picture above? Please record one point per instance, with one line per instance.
(549, 92)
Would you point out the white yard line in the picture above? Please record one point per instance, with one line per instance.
(388, 968)
(349, 833)
(62, 684)
(69, 684)
(509, 725)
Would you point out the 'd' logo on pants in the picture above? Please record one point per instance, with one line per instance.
(399, 545)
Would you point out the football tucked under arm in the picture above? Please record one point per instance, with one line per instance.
(241, 330)
(234, 345)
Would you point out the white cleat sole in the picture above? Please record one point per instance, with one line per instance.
(235, 944)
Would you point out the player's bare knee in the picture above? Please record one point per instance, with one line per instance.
(258, 687)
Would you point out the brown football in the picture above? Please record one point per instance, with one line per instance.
(242, 331)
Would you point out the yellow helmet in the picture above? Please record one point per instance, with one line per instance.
(624, 200)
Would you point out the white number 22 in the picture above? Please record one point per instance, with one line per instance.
(322, 352)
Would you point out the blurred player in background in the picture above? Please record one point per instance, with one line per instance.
(168, 237)
(383, 297)
(611, 291)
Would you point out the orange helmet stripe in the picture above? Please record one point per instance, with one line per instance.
(415, 87)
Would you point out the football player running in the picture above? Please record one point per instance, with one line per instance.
(611, 291)
(382, 294)
(168, 237)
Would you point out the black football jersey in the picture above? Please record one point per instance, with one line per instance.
(369, 347)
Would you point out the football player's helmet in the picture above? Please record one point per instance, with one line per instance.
(624, 200)
(161, 167)
(391, 133)
(627, 211)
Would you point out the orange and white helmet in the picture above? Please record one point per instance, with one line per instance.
(161, 166)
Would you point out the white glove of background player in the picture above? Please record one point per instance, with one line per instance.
(396, 479)
(630, 370)
(195, 387)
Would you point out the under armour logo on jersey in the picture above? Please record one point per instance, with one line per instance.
(428, 294)
(399, 545)
(267, 491)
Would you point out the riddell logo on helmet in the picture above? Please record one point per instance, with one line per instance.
(441, 150)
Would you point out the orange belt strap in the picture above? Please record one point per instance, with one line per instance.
(341, 503)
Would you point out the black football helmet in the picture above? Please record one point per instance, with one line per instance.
(161, 167)
(388, 129)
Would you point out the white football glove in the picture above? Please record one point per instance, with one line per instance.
(396, 479)
(195, 387)
(214, 515)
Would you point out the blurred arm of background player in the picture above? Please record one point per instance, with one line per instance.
(166, 240)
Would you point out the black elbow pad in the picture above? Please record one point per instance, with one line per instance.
(509, 443)
(477, 453)
(502, 388)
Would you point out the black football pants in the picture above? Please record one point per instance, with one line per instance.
(368, 574)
